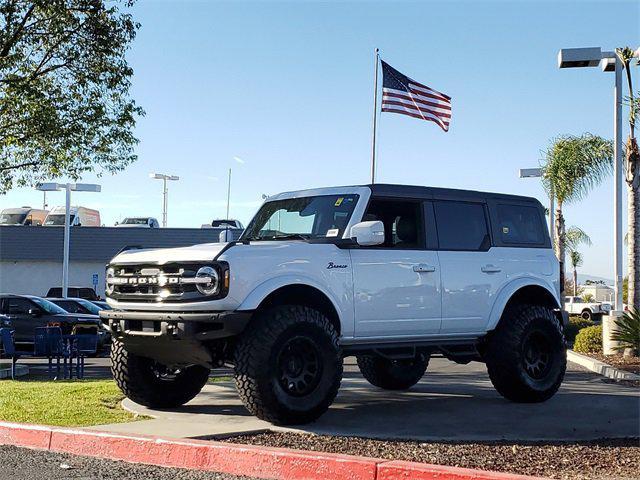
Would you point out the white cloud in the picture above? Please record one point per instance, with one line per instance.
(239, 160)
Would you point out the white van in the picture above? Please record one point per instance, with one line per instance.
(78, 217)
(24, 216)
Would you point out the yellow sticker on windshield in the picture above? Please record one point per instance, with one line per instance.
(339, 201)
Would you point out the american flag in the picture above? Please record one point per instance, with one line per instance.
(401, 94)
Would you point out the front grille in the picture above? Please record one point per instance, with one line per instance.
(155, 283)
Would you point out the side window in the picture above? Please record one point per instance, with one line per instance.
(403, 222)
(519, 224)
(19, 306)
(461, 226)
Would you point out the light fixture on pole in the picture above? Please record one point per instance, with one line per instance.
(68, 188)
(609, 62)
(165, 192)
(537, 173)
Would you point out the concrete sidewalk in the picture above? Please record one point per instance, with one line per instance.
(452, 402)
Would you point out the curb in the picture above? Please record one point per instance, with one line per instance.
(21, 370)
(599, 367)
(234, 459)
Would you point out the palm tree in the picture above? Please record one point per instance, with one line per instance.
(574, 237)
(573, 166)
(632, 177)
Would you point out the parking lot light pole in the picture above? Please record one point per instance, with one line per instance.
(165, 192)
(537, 173)
(67, 187)
(609, 62)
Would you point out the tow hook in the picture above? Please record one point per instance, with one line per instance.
(172, 330)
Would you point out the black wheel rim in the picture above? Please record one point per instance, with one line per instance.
(164, 373)
(299, 366)
(537, 355)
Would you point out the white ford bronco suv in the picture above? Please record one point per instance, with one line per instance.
(387, 273)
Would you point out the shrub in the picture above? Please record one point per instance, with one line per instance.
(575, 325)
(627, 331)
(589, 340)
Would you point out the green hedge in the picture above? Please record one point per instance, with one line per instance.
(575, 325)
(589, 340)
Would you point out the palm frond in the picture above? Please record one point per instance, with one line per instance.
(576, 164)
(627, 331)
(574, 237)
(576, 258)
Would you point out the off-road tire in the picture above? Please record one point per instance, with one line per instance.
(261, 376)
(392, 374)
(508, 351)
(587, 314)
(137, 378)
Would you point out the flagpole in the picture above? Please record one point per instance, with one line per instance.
(375, 118)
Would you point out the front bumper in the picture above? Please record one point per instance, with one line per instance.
(204, 325)
(174, 338)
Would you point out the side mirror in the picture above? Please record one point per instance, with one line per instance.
(368, 233)
(35, 312)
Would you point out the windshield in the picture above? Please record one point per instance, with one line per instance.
(12, 218)
(91, 307)
(135, 221)
(302, 218)
(48, 306)
(58, 220)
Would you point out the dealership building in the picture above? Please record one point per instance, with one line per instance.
(31, 257)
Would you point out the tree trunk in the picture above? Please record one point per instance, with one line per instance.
(559, 245)
(633, 245)
(575, 282)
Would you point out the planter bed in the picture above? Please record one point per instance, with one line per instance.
(604, 459)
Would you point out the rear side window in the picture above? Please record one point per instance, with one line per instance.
(462, 226)
(519, 224)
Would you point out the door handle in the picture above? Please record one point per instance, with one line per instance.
(424, 268)
(490, 269)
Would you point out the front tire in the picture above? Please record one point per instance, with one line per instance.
(392, 374)
(288, 365)
(586, 314)
(151, 384)
(526, 355)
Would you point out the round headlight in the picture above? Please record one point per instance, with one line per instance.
(108, 287)
(210, 287)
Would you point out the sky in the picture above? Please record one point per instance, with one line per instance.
(282, 93)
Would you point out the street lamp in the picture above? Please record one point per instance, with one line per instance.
(609, 62)
(68, 188)
(165, 192)
(537, 173)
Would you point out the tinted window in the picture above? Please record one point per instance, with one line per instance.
(19, 306)
(519, 224)
(403, 225)
(461, 226)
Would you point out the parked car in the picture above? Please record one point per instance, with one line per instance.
(390, 274)
(587, 310)
(230, 223)
(24, 216)
(27, 312)
(85, 308)
(139, 222)
(78, 217)
(88, 293)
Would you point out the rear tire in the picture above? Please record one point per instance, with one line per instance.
(526, 355)
(288, 365)
(151, 384)
(392, 374)
(586, 314)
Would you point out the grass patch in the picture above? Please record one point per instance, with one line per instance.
(65, 403)
(220, 379)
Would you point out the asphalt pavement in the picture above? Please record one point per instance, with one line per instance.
(24, 464)
(451, 403)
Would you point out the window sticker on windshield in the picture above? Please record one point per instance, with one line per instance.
(333, 232)
(339, 201)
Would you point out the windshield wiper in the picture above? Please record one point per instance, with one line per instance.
(292, 236)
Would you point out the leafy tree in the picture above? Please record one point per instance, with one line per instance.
(572, 167)
(64, 89)
(574, 237)
(632, 177)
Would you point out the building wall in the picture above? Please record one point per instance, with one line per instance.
(601, 293)
(32, 277)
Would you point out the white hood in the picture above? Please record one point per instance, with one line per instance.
(204, 252)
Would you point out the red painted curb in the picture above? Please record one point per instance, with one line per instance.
(401, 470)
(249, 460)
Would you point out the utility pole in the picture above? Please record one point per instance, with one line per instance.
(228, 194)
